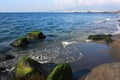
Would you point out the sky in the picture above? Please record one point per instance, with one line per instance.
(58, 5)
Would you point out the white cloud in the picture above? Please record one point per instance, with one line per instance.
(86, 4)
(70, 3)
(116, 1)
(65, 3)
(90, 2)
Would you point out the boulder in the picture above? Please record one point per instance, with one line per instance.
(61, 72)
(20, 42)
(4, 57)
(35, 35)
(99, 37)
(29, 69)
(110, 71)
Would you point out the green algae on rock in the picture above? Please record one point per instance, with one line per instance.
(20, 42)
(107, 38)
(35, 35)
(29, 69)
(61, 72)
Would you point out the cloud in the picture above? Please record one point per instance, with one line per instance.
(116, 1)
(62, 4)
(79, 2)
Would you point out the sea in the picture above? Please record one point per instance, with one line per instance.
(61, 30)
(66, 34)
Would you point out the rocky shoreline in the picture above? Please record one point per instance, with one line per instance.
(108, 69)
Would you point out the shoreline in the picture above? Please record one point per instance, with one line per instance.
(115, 50)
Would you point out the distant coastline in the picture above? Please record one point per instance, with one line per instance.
(89, 11)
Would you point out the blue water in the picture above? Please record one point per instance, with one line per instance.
(66, 26)
(60, 28)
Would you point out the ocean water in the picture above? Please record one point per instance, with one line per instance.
(63, 31)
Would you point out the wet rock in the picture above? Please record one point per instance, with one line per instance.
(29, 69)
(2, 69)
(110, 71)
(20, 42)
(36, 35)
(61, 72)
(4, 57)
(99, 37)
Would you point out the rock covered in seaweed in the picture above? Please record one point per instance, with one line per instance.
(35, 35)
(20, 42)
(104, 37)
(29, 69)
(61, 72)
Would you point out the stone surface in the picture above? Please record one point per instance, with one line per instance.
(2, 69)
(35, 35)
(29, 69)
(20, 42)
(61, 72)
(107, 38)
(4, 57)
(110, 71)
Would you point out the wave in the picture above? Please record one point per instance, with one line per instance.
(88, 40)
(103, 21)
(118, 29)
(66, 43)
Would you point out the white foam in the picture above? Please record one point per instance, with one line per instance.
(118, 31)
(103, 21)
(66, 43)
(107, 19)
(88, 40)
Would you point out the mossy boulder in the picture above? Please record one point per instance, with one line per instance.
(99, 37)
(61, 72)
(36, 35)
(20, 42)
(29, 69)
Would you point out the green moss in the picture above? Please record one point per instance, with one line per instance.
(20, 42)
(104, 37)
(35, 32)
(61, 72)
(23, 70)
(108, 40)
(35, 35)
(29, 69)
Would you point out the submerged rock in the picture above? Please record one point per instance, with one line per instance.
(4, 57)
(61, 72)
(110, 71)
(20, 42)
(35, 35)
(104, 37)
(29, 69)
